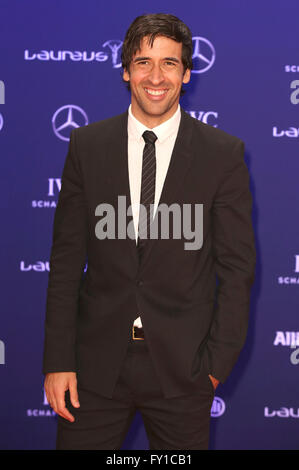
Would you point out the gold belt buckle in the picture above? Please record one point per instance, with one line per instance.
(133, 333)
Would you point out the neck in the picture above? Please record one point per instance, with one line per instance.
(152, 120)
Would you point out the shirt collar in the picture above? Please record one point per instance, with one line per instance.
(163, 131)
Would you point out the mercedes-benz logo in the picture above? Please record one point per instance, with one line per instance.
(218, 407)
(67, 118)
(1, 121)
(203, 55)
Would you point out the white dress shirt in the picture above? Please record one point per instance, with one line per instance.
(166, 135)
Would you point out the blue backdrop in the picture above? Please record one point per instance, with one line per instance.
(60, 68)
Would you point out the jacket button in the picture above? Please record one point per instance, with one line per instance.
(139, 283)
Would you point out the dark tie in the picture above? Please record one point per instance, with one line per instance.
(147, 188)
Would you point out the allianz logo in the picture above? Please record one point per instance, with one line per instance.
(283, 412)
(2, 92)
(2, 353)
(218, 407)
(286, 338)
(39, 266)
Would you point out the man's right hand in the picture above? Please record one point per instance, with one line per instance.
(56, 384)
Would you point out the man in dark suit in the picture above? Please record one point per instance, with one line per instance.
(155, 323)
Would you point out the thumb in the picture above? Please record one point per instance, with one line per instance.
(74, 393)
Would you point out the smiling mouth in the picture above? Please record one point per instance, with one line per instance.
(152, 92)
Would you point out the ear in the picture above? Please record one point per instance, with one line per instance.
(187, 76)
(126, 75)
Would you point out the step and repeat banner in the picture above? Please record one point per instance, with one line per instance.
(59, 69)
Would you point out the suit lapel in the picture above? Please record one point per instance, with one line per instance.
(179, 165)
(116, 165)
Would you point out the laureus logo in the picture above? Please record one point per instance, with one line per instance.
(114, 46)
(112, 50)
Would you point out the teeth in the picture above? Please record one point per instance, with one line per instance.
(155, 92)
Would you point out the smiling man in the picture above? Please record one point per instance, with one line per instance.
(147, 327)
(156, 74)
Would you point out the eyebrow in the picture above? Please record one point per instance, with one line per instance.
(174, 59)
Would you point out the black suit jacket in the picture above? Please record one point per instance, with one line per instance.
(194, 304)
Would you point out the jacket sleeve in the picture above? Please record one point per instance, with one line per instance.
(67, 261)
(235, 257)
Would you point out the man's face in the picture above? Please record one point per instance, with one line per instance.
(156, 76)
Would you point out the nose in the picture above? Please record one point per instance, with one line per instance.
(156, 75)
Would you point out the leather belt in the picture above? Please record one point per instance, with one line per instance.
(137, 333)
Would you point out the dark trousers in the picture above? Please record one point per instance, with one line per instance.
(170, 423)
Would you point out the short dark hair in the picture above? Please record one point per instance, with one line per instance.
(153, 25)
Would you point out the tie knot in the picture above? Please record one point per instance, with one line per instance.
(149, 137)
